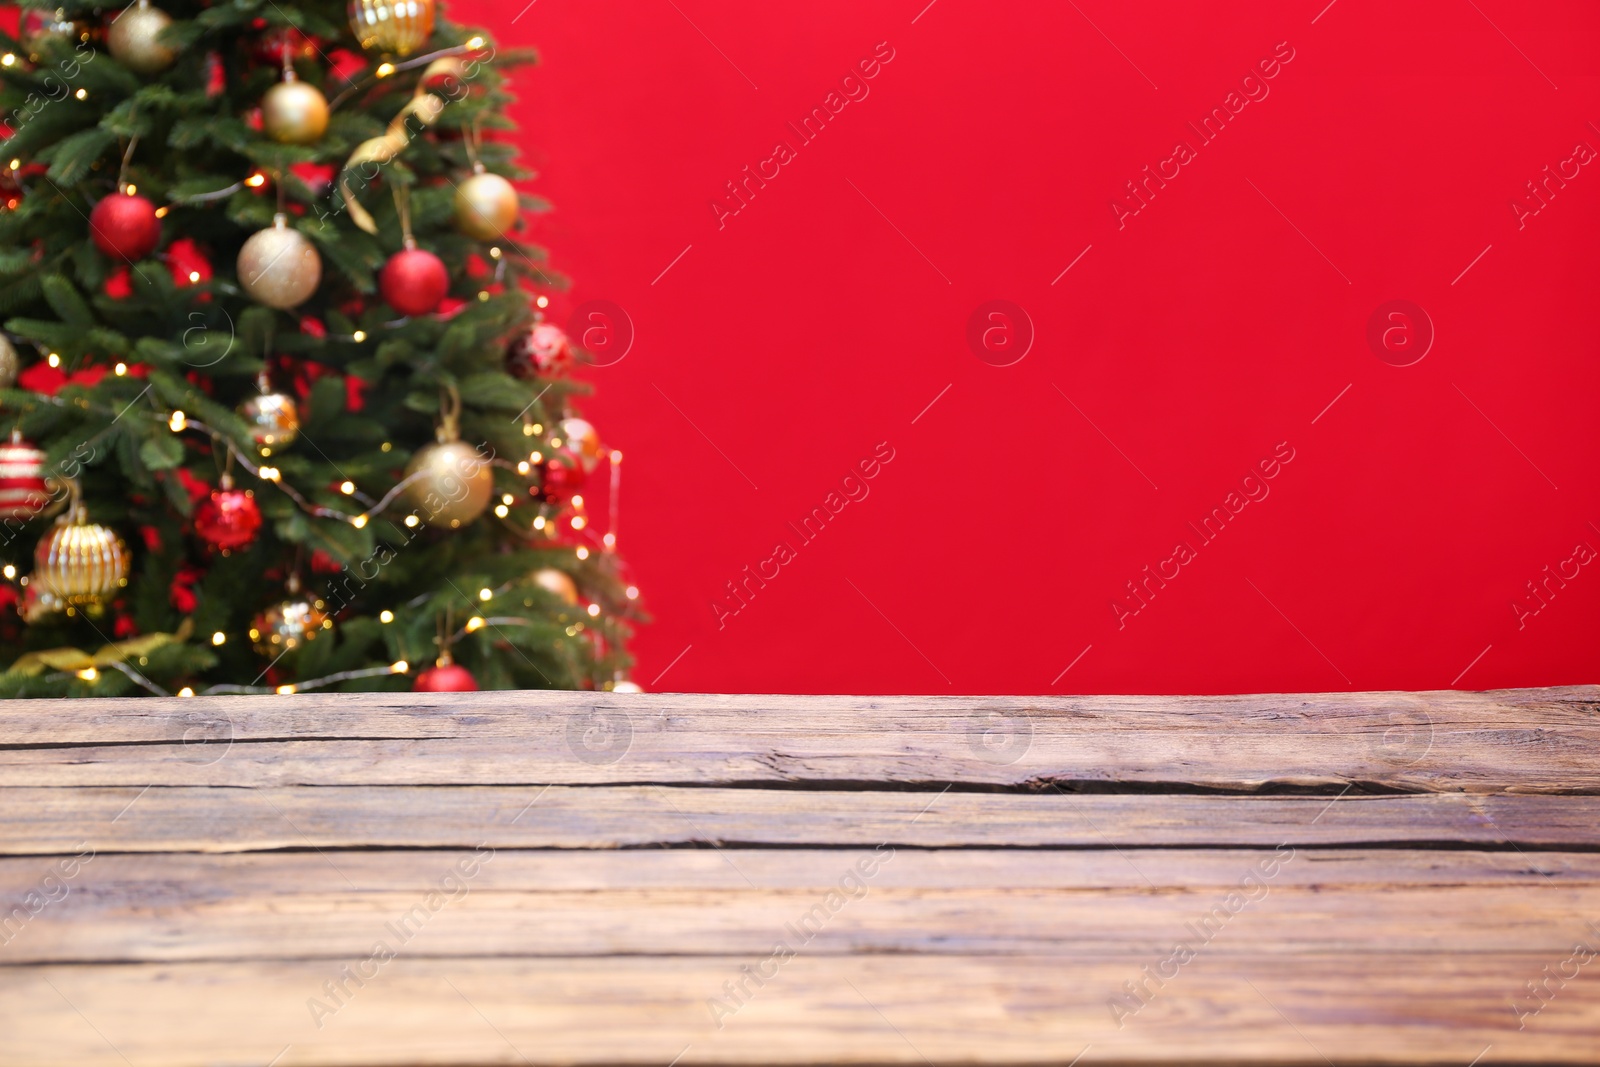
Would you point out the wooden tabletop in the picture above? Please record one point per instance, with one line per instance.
(548, 878)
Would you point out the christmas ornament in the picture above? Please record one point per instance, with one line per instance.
(543, 350)
(446, 676)
(486, 205)
(229, 517)
(278, 266)
(10, 363)
(557, 583)
(413, 281)
(132, 39)
(23, 493)
(289, 624)
(274, 418)
(448, 481)
(78, 563)
(452, 482)
(559, 482)
(293, 112)
(398, 26)
(582, 441)
(125, 227)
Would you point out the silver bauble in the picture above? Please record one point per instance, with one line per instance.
(278, 266)
(131, 37)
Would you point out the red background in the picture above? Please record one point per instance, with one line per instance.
(1219, 322)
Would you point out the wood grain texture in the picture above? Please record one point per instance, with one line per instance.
(215, 819)
(600, 879)
(1516, 741)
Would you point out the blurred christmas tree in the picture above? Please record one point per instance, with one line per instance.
(283, 411)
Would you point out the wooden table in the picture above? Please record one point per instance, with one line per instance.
(646, 879)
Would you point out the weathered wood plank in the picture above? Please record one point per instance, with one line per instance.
(214, 819)
(486, 904)
(1428, 1008)
(1519, 740)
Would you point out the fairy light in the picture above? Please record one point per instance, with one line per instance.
(161, 212)
(594, 610)
(347, 488)
(507, 498)
(194, 276)
(7, 60)
(538, 522)
(219, 638)
(486, 594)
(270, 474)
(501, 510)
(358, 337)
(186, 692)
(130, 189)
(54, 360)
(523, 468)
(494, 253)
(476, 623)
(543, 301)
(555, 442)
(483, 296)
(10, 571)
(577, 501)
(121, 370)
(359, 522)
(88, 674)
(265, 451)
(579, 522)
(528, 430)
(177, 421)
(384, 70)
(475, 43)
(412, 520)
(399, 666)
(386, 616)
(583, 553)
(82, 94)
(256, 180)
(16, 164)
(538, 428)
(535, 457)
(610, 539)
(633, 592)
(286, 690)
(386, 446)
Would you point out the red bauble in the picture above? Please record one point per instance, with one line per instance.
(125, 227)
(446, 677)
(560, 479)
(228, 518)
(413, 281)
(543, 350)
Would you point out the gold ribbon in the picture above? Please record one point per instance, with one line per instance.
(426, 106)
(75, 659)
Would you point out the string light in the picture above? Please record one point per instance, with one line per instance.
(161, 212)
(358, 337)
(538, 522)
(483, 296)
(386, 446)
(177, 422)
(536, 457)
(555, 442)
(256, 180)
(130, 189)
(412, 520)
(270, 474)
(88, 674)
(186, 692)
(285, 690)
(594, 609)
(543, 301)
(494, 253)
(523, 468)
(347, 488)
(538, 428)
(194, 276)
(501, 510)
(616, 457)
(578, 523)
(386, 616)
(528, 430)
(610, 539)
(633, 592)
(577, 501)
(399, 666)
(475, 624)
(16, 164)
(82, 94)
(583, 553)
(507, 498)
(219, 638)
(54, 360)
(10, 571)
(7, 60)
(486, 594)
(359, 522)
(121, 369)
(384, 70)
(475, 43)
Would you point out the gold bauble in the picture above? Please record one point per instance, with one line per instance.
(293, 112)
(453, 483)
(398, 26)
(10, 363)
(79, 562)
(583, 441)
(289, 625)
(131, 37)
(278, 266)
(557, 583)
(486, 206)
(274, 419)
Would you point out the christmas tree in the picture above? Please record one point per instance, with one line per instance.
(282, 406)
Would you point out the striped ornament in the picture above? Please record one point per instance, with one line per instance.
(80, 562)
(23, 493)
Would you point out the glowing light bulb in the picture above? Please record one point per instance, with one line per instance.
(347, 488)
(358, 337)
(583, 553)
(475, 43)
(54, 360)
(577, 501)
(82, 94)
(256, 180)
(523, 468)
(501, 510)
(7, 60)
(285, 690)
(186, 692)
(476, 623)
(359, 522)
(594, 609)
(88, 674)
(384, 70)
(579, 522)
(194, 276)
(121, 369)
(486, 594)
(412, 520)
(633, 592)
(176, 422)
(219, 638)
(10, 571)
(386, 616)
(616, 457)
(494, 253)
(161, 212)
(543, 301)
(538, 522)
(399, 666)
(527, 429)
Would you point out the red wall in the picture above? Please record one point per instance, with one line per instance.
(1195, 339)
